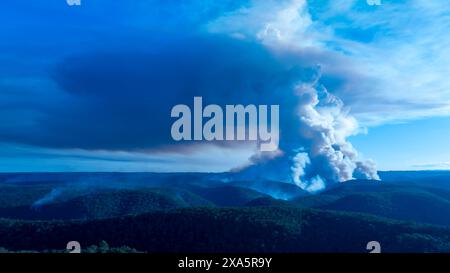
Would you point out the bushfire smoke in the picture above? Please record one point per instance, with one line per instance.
(320, 153)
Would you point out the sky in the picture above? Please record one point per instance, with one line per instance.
(90, 87)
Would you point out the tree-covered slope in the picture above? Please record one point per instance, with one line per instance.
(398, 201)
(107, 204)
(261, 229)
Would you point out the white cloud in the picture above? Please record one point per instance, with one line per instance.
(432, 166)
(271, 22)
(398, 73)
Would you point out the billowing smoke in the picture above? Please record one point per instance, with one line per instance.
(318, 152)
(325, 124)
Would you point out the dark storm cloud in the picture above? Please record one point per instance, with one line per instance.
(121, 100)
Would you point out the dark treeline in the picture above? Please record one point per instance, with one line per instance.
(263, 229)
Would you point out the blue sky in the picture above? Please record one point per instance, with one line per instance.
(90, 87)
(415, 145)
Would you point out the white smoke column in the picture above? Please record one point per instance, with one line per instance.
(300, 161)
(367, 168)
(325, 124)
(315, 150)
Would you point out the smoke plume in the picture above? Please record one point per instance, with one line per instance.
(319, 153)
